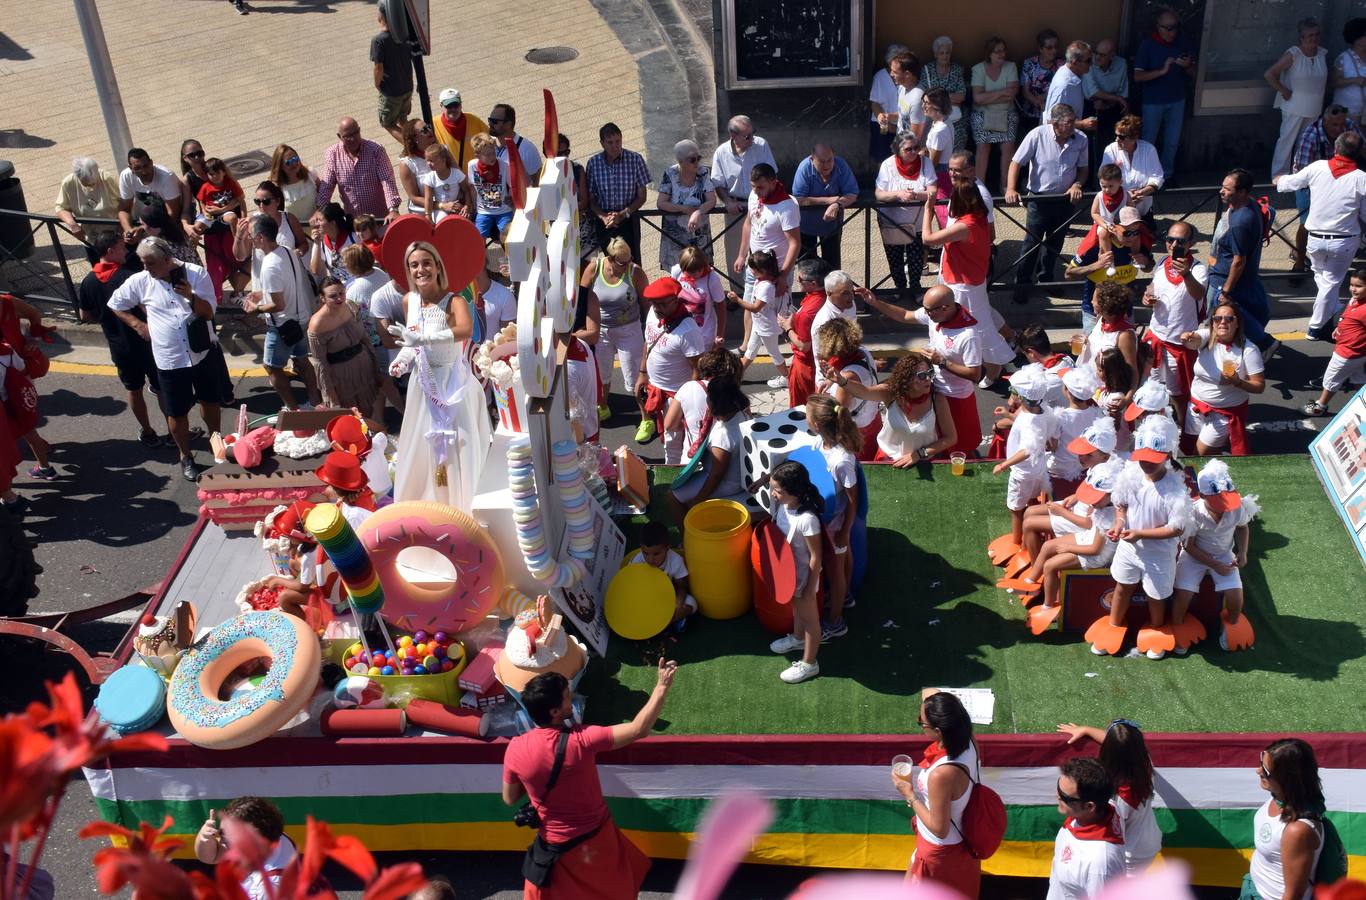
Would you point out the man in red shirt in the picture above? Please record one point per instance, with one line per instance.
(801, 375)
(1349, 353)
(596, 861)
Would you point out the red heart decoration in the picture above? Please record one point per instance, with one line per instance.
(551, 145)
(455, 238)
(517, 177)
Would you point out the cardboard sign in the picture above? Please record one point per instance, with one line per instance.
(582, 603)
(1339, 457)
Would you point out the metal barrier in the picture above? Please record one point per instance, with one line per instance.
(57, 266)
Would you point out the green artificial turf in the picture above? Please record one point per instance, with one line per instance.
(929, 577)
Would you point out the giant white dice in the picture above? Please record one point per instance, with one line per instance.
(768, 441)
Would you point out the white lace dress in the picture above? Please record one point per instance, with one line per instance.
(445, 423)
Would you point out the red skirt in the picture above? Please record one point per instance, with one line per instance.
(801, 380)
(948, 864)
(605, 867)
(966, 422)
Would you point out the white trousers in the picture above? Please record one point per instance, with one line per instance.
(1291, 126)
(1330, 258)
(624, 342)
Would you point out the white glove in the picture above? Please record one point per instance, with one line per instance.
(402, 362)
(412, 338)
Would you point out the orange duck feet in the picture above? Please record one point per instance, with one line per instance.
(1002, 550)
(1189, 633)
(1238, 635)
(1156, 640)
(1041, 617)
(1104, 637)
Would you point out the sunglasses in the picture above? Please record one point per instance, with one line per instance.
(1181, 242)
(926, 375)
(1131, 232)
(1067, 798)
(292, 161)
(1261, 770)
(424, 129)
(264, 201)
(197, 154)
(942, 307)
(494, 120)
(1221, 319)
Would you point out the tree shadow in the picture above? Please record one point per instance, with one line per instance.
(19, 139)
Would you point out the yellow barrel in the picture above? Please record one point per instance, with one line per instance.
(716, 538)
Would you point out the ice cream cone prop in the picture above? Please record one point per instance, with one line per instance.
(1002, 550)
(1189, 632)
(1237, 635)
(1018, 564)
(1162, 639)
(1040, 617)
(1106, 636)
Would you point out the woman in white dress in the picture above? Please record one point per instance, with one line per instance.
(445, 424)
(1349, 69)
(1299, 79)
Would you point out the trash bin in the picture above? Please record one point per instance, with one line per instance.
(16, 236)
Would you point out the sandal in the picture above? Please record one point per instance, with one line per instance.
(1314, 408)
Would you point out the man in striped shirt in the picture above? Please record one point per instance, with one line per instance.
(362, 171)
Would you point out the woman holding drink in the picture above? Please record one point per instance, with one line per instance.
(938, 792)
(1228, 370)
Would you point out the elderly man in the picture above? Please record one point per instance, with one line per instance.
(1316, 143)
(1107, 90)
(730, 168)
(1164, 62)
(362, 171)
(824, 188)
(617, 179)
(172, 296)
(282, 299)
(1057, 156)
(1237, 252)
(145, 185)
(503, 126)
(1337, 201)
(1066, 86)
(456, 128)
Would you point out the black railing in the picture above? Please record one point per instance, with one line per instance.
(56, 266)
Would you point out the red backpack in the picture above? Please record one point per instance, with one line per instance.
(984, 818)
(1268, 214)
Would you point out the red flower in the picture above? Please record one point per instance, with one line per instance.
(27, 774)
(142, 864)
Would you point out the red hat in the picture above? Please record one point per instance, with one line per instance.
(662, 289)
(289, 522)
(348, 432)
(342, 471)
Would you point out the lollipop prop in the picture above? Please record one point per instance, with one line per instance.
(338, 540)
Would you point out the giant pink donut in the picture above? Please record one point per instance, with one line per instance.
(457, 537)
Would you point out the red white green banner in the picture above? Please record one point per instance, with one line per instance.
(834, 799)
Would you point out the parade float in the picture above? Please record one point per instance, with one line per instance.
(389, 719)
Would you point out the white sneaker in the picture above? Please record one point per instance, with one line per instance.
(1155, 654)
(778, 381)
(800, 671)
(785, 644)
(1223, 639)
(1182, 651)
(1098, 651)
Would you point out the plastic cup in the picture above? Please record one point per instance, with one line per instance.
(903, 767)
(958, 463)
(1078, 342)
(1228, 366)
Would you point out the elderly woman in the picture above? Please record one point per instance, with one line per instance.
(417, 137)
(87, 193)
(1138, 161)
(904, 177)
(1228, 370)
(995, 120)
(298, 183)
(1299, 79)
(1035, 74)
(944, 73)
(685, 191)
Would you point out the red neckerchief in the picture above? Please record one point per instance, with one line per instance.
(1127, 793)
(1051, 361)
(105, 270)
(374, 247)
(961, 319)
(334, 247)
(840, 363)
(1157, 36)
(1340, 165)
(1104, 830)
(933, 753)
(1124, 324)
(777, 195)
(1174, 276)
(1109, 206)
(455, 126)
(911, 171)
(488, 174)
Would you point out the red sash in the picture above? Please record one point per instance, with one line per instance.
(966, 422)
(1183, 356)
(1237, 423)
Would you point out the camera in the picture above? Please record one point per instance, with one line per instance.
(527, 817)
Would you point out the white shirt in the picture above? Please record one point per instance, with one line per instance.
(168, 313)
(725, 435)
(692, 399)
(940, 137)
(765, 321)
(283, 854)
(500, 307)
(362, 289)
(1266, 866)
(1140, 169)
(531, 157)
(1150, 504)
(1102, 522)
(883, 92)
(769, 224)
(863, 412)
(673, 566)
(1142, 837)
(731, 171)
(1216, 537)
(796, 528)
(444, 190)
(1175, 309)
(1336, 205)
(163, 182)
(668, 352)
(1032, 432)
(387, 303)
(1084, 858)
(960, 346)
(279, 275)
(1072, 422)
(986, 198)
(1205, 385)
(709, 291)
(1053, 166)
(829, 311)
(843, 469)
(910, 106)
(1064, 87)
(889, 179)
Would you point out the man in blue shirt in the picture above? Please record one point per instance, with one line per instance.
(824, 188)
(1164, 62)
(1237, 251)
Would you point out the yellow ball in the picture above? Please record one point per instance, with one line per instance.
(374, 670)
(402, 652)
(405, 641)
